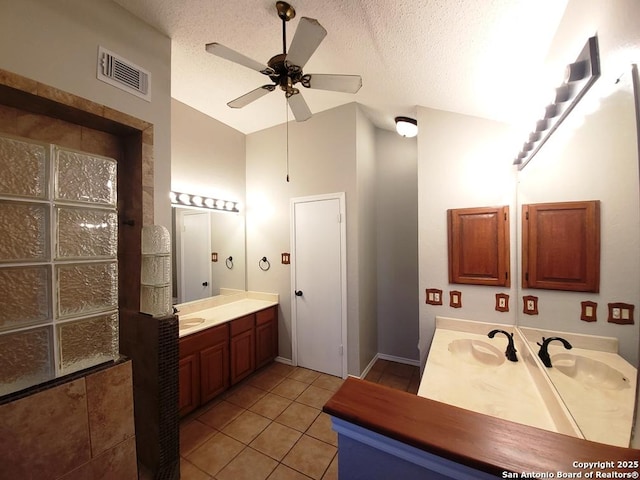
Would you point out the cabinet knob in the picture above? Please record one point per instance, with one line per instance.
(298, 293)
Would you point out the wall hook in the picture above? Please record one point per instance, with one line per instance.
(229, 262)
(264, 264)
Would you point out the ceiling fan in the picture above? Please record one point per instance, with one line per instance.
(285, 69)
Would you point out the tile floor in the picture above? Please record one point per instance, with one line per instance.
(271, 426)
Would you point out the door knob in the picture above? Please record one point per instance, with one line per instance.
(298, 293)
(205, 284)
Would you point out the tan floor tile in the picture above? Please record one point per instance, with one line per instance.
(282, 472)
(270, 405)
(249, 465)
(266, 380)
(332, 471)
(193, 434)
(290, 388)
(393, 381)
(246, 427)
(322, 430)
(315, 396)
(215, 453)
(188, 471)
(276, 440)
(303, 375)
(246, 396)
(280, 369)
(400, 370)
(220, 415)
(298, 416)
(328, 382)
(310, 456)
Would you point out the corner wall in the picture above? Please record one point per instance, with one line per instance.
(56, 43)
(397, 244)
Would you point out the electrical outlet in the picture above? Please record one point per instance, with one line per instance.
(615, 313)
(621, 313)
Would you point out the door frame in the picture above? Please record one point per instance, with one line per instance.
(340, 196)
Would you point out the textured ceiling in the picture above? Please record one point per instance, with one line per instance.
(475, 57)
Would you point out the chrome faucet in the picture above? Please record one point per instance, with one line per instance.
(543, 352)
(510, 353)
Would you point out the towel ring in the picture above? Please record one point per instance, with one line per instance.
(229, 263)
(264, 264)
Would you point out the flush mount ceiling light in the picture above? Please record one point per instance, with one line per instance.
(197, 201)
(578, 78)
(406, 127)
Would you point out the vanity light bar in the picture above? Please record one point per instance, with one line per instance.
(579, 76)
(198, 201)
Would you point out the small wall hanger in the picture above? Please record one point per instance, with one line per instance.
(264, 264)
(229, 262)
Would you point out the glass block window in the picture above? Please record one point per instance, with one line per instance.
(58, 262)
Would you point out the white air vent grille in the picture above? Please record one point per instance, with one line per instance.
(123, 74)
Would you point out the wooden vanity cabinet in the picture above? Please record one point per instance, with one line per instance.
(243, 347)
(266, 336)
(216, 358)
(203, 367)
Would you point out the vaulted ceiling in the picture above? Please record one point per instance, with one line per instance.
(477, 57)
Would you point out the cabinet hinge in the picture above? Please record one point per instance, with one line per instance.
(505, 216)
(526, 216)
(506, 275)
(341, 350)
(526, 276)
(339, 218)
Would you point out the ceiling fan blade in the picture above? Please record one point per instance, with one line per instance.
(305, 41)
(335, 83)
(299, 107)
(233, 56)
(252, 96)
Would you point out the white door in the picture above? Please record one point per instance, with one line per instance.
(195, 246)
(319, 283)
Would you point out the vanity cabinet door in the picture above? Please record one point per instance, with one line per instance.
(189, 390)
(214, 363)
(266, 336)
(243, 346)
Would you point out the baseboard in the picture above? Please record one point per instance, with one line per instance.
(286, 361)
(393, 358)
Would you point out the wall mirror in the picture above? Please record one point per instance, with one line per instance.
(208, 253)
(592, 156)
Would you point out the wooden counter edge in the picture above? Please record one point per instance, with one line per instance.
(479, 441)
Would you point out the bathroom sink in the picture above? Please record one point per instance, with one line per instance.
(589, 371)
(191, 322)
(476, 352)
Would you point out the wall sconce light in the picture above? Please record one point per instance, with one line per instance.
(578, 78)
(406, 127)
(197, 201)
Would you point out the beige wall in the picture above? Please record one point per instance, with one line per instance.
(463, 162)
(322, 153)
(397, 244)
(56, 43)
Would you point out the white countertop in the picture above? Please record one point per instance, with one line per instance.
(222, 308)
(505, 391)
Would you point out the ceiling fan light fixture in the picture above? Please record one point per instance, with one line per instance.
(406, 127)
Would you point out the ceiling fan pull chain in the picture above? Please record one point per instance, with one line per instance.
(286, 107)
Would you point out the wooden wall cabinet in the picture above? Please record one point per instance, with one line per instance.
(214, 359)
(478, 241)
(561, 246)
